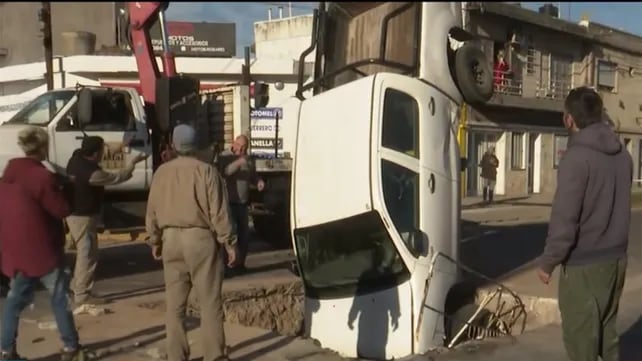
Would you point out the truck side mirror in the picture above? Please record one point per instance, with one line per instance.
(418, 243)
(85, 106)
(463, 165)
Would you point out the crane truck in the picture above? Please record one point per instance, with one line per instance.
(375, 217)
(145, 122)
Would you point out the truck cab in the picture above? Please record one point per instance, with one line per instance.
(375, 216)
(117, 116)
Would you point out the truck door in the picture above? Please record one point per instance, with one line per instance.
(115, 120)
(418, 188)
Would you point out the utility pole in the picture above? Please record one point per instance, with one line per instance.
(45, 21)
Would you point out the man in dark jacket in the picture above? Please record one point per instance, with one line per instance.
(589, 229)
(32, 242)
(489, 165)
(89, 181)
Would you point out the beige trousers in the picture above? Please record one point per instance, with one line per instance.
(192, 257)
(84, 238)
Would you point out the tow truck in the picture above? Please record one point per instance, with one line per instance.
(376, 217)
(146, 121)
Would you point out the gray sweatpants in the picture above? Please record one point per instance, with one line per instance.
(85, 239)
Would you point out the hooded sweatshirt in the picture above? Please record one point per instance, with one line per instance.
(592, 205)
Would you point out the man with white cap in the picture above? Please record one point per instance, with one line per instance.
(188, 221)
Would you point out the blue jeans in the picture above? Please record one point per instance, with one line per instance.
(241, 222)
(21, 295)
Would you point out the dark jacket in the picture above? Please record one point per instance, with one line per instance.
(592, 205)
(31, 230)
(86, 198)
(489, 164)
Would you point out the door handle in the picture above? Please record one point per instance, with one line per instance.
(80, 137)
(431, 183)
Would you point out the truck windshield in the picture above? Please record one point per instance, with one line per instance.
(43, 109)
(350, 256)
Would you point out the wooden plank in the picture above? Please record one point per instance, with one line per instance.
(359, 38)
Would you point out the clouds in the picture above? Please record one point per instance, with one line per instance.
(244, 14)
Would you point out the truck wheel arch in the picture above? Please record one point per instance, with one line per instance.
(473, 74)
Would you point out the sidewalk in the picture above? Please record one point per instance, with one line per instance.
(134, 331)
(516, 229)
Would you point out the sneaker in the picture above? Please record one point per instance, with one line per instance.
(92, 300)
(77, 354)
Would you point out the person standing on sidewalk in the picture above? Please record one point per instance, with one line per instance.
(89, 181)
(589, 230)
(32, 241)
(188, 221)
(489, 164)
(238, 170)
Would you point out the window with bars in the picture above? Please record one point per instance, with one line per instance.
(530, 60)
(559, 148)
(606, 74)
(517, 155)
(561, 75)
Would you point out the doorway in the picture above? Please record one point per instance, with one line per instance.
(479, 142)
(534, 164)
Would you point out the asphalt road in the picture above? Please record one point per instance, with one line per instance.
(128, 270)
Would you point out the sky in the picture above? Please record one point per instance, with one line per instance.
(244, 14)
(620, 15)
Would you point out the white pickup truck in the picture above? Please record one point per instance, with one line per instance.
(118, 115)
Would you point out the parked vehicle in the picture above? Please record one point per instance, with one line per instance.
(146, 119)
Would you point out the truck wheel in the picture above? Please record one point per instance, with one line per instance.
(474, 74)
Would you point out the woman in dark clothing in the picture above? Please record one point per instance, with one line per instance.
(489, 165)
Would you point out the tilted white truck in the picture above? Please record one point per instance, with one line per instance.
(376, 215)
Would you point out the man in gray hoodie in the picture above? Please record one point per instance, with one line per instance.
(589, 229)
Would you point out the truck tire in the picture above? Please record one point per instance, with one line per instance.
(474, 74)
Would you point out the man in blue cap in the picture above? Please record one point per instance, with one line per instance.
(188, 223)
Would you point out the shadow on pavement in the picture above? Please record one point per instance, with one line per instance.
(261, 351)
(498, 251)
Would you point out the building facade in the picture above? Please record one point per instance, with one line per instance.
(537, 59)
(21, 34)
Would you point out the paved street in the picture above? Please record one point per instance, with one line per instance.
(500, 242)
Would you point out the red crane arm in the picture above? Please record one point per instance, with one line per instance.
(142, 16)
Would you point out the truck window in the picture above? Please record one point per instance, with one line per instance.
(354, 255)
(111, 112)
(401, 197)
(400, 123)
(43, 109)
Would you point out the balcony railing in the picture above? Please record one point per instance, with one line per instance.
(510, 84)
(555, 89)
(506, 83)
